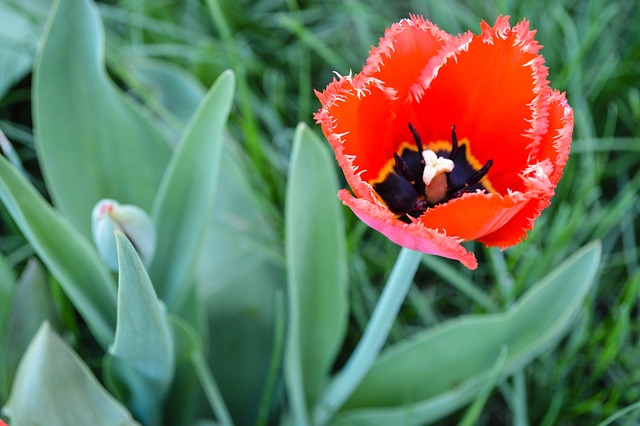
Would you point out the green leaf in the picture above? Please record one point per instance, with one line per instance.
(242, 318)
(316, 268)
(437, 371)
(185, 392)
(54, 386)
(32, 304)
(69, 256)
(171, 92)
(20, 28)
(143, 346)
(92, 141)
(184, 203)
(7, 285)
(7, 288)
(239, 273)
(241, 234)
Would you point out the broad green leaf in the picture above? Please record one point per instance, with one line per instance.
(69, 256)
(92, 141)
(32, 304)
(53, 386)
(175, 93)
(185, 392)
(185, 199)
(316, 269)
(143, 346)
(241, 234)
(21, 23)
(239, 274)
(439, 370)
(242, 331)
(473, 413)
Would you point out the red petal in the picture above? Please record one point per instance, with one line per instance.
(516, 230)
(555, 144)
(405, 50)
(414, 236)
(359, 114)
(553, 149)
(493, 95)
(355, 120)
(473, 215)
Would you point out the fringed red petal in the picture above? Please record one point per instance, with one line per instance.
(345, 103)
(474, 215)
(553, 151)
(405, 50)
(495, 94)
(414, 236)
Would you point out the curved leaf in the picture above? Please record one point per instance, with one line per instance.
(175, 93)
(21, 23)
(240, 272)
(32, 304)
(184, 203)
(7, 286)
(7, 289)
(69, 256)
(316, 267)
(54, 386)
(185, 393)
(143, 342)
(430, 375)
(92, 141)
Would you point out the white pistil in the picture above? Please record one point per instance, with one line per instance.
(434, 177)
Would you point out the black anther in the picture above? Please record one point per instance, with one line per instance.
(454, 144)
(477, 176)
(402, 168)
(416, 137)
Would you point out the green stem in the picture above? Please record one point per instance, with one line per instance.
(374, 337)
(211, 389)
(519, 403)
(276, 359)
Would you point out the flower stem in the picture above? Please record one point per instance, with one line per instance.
(374, 337)
(211, 389)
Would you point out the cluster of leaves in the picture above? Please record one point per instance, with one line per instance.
(245, 268)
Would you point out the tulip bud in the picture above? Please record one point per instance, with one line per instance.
(108, 216)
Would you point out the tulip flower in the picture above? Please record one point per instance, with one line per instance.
(445, 139)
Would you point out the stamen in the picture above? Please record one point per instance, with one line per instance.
(416, 137)
(471, 180)
(454, 144)
(403, 169)
(477, 176)
(409, 196)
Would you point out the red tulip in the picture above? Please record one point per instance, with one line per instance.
(445, 139)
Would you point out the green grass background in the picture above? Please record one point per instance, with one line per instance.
(282, 50)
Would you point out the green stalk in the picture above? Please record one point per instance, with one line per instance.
(211, 389)
(374, 337)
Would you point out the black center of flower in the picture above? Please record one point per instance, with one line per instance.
(408, 189)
